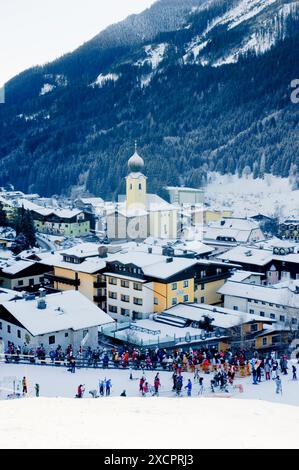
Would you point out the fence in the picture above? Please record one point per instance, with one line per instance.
(85, 363)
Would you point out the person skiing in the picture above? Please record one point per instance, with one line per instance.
(200, 392)
(294, 370)
(189, 388)
(157, 384)
(36, 390)
(101, 388)
(145, 389)
(80, 391)
(141, 384)
(108, 387)
(278, 384)
(25, 386)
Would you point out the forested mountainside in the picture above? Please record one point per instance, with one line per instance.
(201, 84)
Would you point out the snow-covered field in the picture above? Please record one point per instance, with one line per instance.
(257, 418)
(271, 196)
(58, 382)
(136, 423)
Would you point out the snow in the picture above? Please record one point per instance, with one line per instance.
(154, 55)
(14, 267)
(104, 79)
(273, 423)
(275, 295)
(247, 197)
(47, 88)
(66, 310)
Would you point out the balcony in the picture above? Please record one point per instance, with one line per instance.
(63, 280)
(99, 299)
(99, 285)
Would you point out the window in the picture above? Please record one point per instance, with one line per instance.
(140, 186)
(8, 329)
(202, 300)
(112, 295)
(256, 302)
(174, 286)
(138, 301)
(52, 339)
(251, 311)
(41, 279)
(202, 287)
(66, 335)
(264, 341)
(20, 283)
(137, 286)
(125, 298)
(272, 315)
(112, 309)
(294, 321)
(156, 301)
(113, 281)
(186, 283)
(186, 298)
(125, 284)
(253, 328)
(262, 314)
(235, 307)
(174, 301)
(282, 318)
(275, 339)
(125, 312)
(19, 333)
(31, 282)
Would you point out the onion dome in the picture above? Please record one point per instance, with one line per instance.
(136, 163)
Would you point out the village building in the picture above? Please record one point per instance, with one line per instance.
(51, 321)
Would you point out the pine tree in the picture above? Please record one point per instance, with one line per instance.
(24, 225)
(3, 218)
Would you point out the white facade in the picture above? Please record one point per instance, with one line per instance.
(125, 306)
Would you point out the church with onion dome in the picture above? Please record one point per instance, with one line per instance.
(140, 214)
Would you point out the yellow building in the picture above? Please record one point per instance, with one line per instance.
(79, 268)
(210, 215)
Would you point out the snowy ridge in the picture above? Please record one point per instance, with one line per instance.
(264, 26)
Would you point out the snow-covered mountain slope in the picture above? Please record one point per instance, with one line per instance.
(244, 26)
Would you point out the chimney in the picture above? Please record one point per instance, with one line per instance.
(103, 250)
(41, 301)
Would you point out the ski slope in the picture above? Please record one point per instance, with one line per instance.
(257, 418)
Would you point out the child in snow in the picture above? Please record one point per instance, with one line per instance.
(294, 370)
(101, 388)
(25, 386)
(278, 384)
(200, 391)
(189, 388)
(145, 389)
(157, 384)
(108, 387)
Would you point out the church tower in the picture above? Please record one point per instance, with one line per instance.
(136, 183)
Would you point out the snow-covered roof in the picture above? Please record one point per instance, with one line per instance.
(64, 311)
(242, 276)
(89, 266)
(13, 267)
(82, 250)
(223, 317)
(270, 294)
(6, 295)
(240, 230)
(93, 201)
(258, 256)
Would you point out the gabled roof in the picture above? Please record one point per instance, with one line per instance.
(66, 310)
